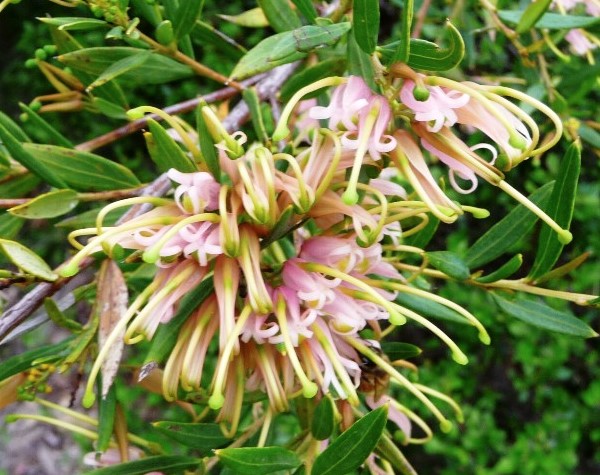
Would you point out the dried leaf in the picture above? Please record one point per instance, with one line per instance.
(111, 305)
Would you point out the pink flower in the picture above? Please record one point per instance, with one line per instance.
(196, 192)
(579, 42)
(438, 109)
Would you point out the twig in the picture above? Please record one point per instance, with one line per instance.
(179, 108)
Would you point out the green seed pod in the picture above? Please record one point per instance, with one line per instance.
(50, 49)
(35, 106)
(40, 54)
(164, 33)
(31, 63)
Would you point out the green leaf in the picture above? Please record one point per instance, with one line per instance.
(323, 421)
(258, 460)
(121, 67)
(74, 23)
(359, 62)
(395, 350)
(24, 361)
(10, 225)
(165, 152)
(532, 14)
(32, 163)
(157, 69)
(13, 128)
(502, 235)
(402, 52)
(307, 9)
(449, 263)
(429, 56)
(59, 318)
(27, 260)
(48, 205)
(589, 135)
(207, 146)
(253, 102)
(19, 186)
(82, 170)
(541, 315)
(167, 464)
(350, 450)
(200, 436)
(560, 209)
(323, 69)
(551, 21)
(425, 235)
(280, 14)
(504, 271)
(110, 109)
(428, 308)
(287, 47)
(50, 134)
(106, 417)
(165, 337)
(187, 14)
(365, 24)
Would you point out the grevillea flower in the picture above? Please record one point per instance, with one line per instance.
(579, 41)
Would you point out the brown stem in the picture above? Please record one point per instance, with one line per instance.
(421, 15)
(175, 109)
(198, 68)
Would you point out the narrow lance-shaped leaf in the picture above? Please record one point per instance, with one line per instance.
(118, 68)
(532, 14)
(187, 14)
(402, 52)
(429, 56)
(259, 460)
(59, 318)
(48, 205)
(13, 128)
(287, 47)
(396, 350)
(365, 24)
(74, 23)
(50, 134)
(504, 271)
(253, 18)
(165, 152)
(199, 436)
(166, 464)
(560, 208)
(106, 417)
(280, 14)
(10, 225)
(24, 361)
(350, 449)
(207, 146)
(502, 235)
(32, 163)
(359, 62)
(27, 260)
(82, 170)
(323, 421)
(551, 21)
(449, 263)
(111, 305)
(252, 101)
(541, 315)
(307, 9)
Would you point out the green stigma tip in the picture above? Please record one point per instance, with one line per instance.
(565, 237)
(484, 338)
(310, 390)
(134, 114)
(460, 358)
(88, 400)
(216, 401)
(350, 197)
(150, 257)
(446, 426)
(281, 133)
(11, 418)
(69, 270)
(397, 319)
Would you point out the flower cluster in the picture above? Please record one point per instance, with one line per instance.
(304, 249)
